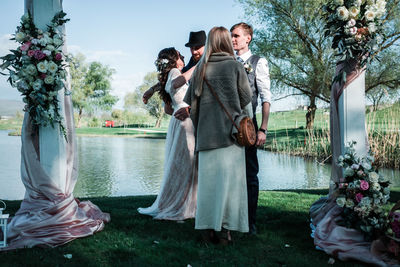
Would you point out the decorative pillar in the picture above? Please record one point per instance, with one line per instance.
(351, 109)
(52, 144)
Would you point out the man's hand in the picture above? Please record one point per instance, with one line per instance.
(182, 113)
(261, 138)
(168, 109)
(147, 95)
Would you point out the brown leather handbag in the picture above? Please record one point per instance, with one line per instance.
(246, 135)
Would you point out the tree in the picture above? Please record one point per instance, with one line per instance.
(117, 115)
(290, 35)
(91, 86)
(383, 80)
(383, 75)
(154, 106)
(293, 42)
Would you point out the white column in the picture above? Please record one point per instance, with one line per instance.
(51, 140)
(352, 115)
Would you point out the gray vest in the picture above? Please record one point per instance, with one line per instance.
(252, 61)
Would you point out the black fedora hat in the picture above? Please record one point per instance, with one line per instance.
(196, 39)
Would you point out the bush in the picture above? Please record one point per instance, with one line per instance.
(94, 122)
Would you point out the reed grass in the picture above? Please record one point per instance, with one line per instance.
(383, 127)
(384, 136)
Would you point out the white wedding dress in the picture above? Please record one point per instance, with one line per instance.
(176, 199)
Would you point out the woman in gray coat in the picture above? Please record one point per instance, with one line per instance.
(222, 195)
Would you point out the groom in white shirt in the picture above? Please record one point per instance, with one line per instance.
(258, 74)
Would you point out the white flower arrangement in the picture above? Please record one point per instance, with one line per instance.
(248, 67)
(37, 69)
(355, 27)
(361, 193)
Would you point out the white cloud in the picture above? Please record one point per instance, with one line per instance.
(108, 57)
(123, 84)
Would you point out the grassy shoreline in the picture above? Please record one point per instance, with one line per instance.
(131, 239)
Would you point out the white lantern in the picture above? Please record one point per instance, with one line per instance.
(3, 224)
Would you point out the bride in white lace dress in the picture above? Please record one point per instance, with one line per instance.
(177, 197)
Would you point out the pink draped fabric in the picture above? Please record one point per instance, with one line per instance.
(49, 217)
(341, 242)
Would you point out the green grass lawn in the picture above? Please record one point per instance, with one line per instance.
(131, 239)
(142, 132)
(11, 124)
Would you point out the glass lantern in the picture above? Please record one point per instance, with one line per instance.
(3, 224)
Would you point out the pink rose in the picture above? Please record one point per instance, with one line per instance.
(39, 55)
(359, 196)
(58, 57)
(31, 53)
(364, 185)
(25, 46)
(42, 76)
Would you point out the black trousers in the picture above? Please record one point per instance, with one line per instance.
(252, 180)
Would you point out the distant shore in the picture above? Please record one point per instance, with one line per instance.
(287, 134)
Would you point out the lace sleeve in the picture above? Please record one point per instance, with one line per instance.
(173, 74)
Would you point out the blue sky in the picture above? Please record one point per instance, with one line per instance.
(126, 35)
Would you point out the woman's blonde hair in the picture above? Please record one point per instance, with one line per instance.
(218, 40)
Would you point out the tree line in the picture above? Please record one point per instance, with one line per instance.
(290, 34)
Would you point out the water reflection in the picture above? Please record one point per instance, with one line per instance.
(120, 166)
(278, 171)
(95, 168)
(11, 186)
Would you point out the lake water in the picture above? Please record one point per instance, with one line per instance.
(122, 166)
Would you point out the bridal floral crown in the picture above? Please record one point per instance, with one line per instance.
(161, 64)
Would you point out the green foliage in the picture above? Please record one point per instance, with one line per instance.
(91, 86)
(94, 122)
(154, 106)
(383, 78)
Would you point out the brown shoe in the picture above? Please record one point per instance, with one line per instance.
(210, 236)
(225, 237)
